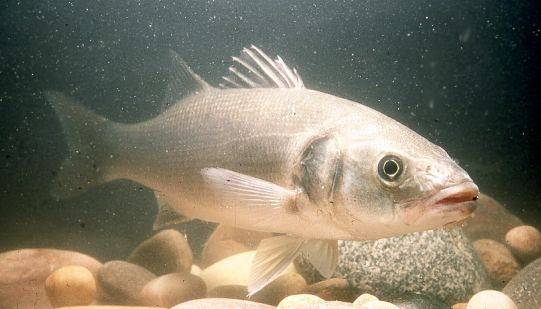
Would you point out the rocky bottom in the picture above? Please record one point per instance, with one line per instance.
(492, 261)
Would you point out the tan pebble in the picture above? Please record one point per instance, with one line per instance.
(333, 289)
(299, 301)
(459, 306)
(71, 286)
(499, 263)
(280, 288)
(363, 299)
(378, 304)
(491, 299)
(166, 252)
(172, 289)
(195, 270)
(108, 307)
(229, 291)
(219, 250)
(221, 303)
(524, 242)
(234, 270)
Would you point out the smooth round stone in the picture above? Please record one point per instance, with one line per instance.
(333, 289)
(525, 287)
(336, 304)
(378, 304)
(363, 299)
(71, 286)
(398, 265)
(234, 270)
(281, 287)
(491, 299)
(298, 301)
(195, 270)
(524, 242)
(172, 289)
(226, 241)
(166, 252)
(500, 264)
(120, 283)
(229, 291)
(109, 307)
(221, 303)
(23, 274)
(490, 220)
(459, 306)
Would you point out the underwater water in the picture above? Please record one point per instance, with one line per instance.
(462, 74)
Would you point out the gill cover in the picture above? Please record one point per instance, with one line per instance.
(320, 169)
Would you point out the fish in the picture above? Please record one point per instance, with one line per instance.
(263, 152)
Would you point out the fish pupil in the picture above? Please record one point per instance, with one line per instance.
(390, 167)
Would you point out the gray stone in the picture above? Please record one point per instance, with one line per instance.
(120, 283)
(418, 301)
(525, 288)
(438, 263)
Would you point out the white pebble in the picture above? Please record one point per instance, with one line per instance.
(363, 299)
(490, 299)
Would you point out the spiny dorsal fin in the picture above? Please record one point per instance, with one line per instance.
(254, 69)
(183, 81)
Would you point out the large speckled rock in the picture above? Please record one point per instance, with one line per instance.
(23, 274)
(164, 253)
(525, 287)
(418, 301)
(438, 263)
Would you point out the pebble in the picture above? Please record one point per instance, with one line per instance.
(499, 263)
(333, 289)
(490, 299)
(221, 303)
(233, 270)
(120, 283)
(336, 304)
(172, 289)
(460, 306)
(226, 241)
(398, 265)
(378, 304)
(195, 270)
(281, 287)
(299, 301)
(109, 307)
(229, 291)
(525, 287)
(363, 299)
(166, 252)
(23, 273)
(524, 242)
(71, 286)
(490, 220)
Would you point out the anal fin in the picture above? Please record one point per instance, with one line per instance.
(166, 215)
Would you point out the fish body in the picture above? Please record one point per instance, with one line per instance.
(271, 155)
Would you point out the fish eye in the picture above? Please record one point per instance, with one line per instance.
(390, 168)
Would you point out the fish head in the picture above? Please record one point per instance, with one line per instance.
(393, 181)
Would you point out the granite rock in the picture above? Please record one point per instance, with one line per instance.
(418, 301)
(438, 263)
(525, 287)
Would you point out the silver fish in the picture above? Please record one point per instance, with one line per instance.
(265, 153)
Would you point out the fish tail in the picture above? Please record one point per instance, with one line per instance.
(84, 131)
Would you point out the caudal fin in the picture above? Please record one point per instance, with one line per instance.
(83, 130)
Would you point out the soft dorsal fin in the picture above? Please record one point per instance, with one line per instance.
(254, 69)
(183, 81)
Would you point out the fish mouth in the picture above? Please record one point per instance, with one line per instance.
(457, 198)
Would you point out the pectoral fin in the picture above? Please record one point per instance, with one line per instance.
(272, 257)
(166, 215)
(240, 189)
(322, 254)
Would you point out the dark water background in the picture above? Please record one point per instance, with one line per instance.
(462, 73)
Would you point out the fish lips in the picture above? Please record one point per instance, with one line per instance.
(451, 204)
